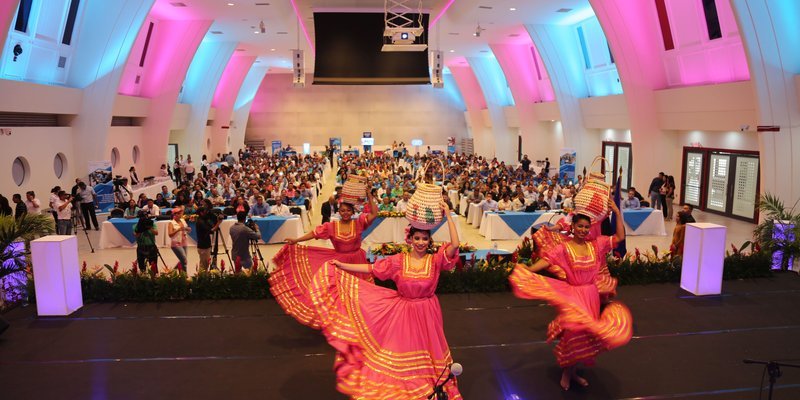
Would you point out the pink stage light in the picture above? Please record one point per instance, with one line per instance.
(441, 13)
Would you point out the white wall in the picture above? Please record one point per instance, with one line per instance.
(317, 112)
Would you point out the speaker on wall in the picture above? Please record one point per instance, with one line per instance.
(437, 63)
(298, 69)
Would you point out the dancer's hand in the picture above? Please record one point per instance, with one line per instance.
(445, 207)
(613, 206)
(291, 241)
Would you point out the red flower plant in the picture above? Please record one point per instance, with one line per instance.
(237, 265)
(153, 268)
(83, 269)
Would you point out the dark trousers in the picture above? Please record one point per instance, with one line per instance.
(88, 212)
(663, 199)
(146, 255)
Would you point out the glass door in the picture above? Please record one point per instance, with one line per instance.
(718, 172)
(608, 153)
(693, 179)
(619, 158)
(745, 190)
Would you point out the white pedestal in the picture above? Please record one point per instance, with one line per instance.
(703, 258)
(56, 275)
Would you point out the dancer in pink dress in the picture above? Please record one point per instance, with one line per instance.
(390, 343)
(584, 331)
(297, 264)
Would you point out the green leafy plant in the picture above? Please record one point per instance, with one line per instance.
(776, 215)
(26, 228)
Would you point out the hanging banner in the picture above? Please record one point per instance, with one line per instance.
(567, 164)
(451, 145)
(276, 146)
(101, 179)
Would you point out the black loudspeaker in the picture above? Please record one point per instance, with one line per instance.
(3, 325)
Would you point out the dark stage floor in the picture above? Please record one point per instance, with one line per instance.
(684, 347)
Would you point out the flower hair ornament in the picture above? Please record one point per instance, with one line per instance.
(408, 234)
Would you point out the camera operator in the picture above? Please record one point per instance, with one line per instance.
(63, 209)
(88, 197)
(207, 223)
(241, 235)
(122, 192)
(145, 231)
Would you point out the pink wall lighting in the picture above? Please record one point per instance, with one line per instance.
(467, 84)
(230, 82)
(519, 67)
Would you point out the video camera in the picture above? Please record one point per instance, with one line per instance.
(251, 224)
(118, 181)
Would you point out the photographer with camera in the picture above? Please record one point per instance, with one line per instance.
(145, 231)
(63, 209)
(122, 192)
(208, 222)
(241, 235)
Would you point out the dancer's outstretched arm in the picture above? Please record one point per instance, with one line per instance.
(537, 266)
(451, 225)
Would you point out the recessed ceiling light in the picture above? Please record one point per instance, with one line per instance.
(271, 49)
(512, 9)
(231, 4)
(564, 10)
(256, 32)
(452, 51)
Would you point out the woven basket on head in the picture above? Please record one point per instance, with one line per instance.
(354, 190)
(424, 210)
(592, 200)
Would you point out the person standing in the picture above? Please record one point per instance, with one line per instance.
(679, 234)
(670, 189)
(33, 204)
(87, 198)
(63, 210)
(19, 209)
(178, 232)
(582, 329)
(547, 167)
(655, 191)
(145, 232)
(526, 163)
(188, 169)
(207, 224)
(399, 348)
(241, 235)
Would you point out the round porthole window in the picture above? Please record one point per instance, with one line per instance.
(114, 157)
(20, 170)
(59, 165)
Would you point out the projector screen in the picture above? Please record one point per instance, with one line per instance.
(348, 52)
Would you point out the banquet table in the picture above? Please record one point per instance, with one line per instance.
(644, 221)
(393, 230)
(153, 189)
(474, 215)
(303, 214)
(463, 204)
(454, 198)
(118, 232)
(512, 225)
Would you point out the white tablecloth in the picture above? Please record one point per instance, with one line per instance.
(494, 228)
(453, 195)
(463, 204)
(475, 214)
(653, 225)
(393, 230)
(110, 237)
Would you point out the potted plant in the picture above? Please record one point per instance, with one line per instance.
(14, 236)
(779, 231)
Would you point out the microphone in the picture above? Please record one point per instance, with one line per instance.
(438, 390)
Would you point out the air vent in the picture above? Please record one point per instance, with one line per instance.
(28, 119)
(486, 7)
(240, 50)
(62, 61)
(564, 10)
(122, 121)
(216, 32)
(178, 4)
(454, 33)
(138, 79)
(484, 51)
(514, 35)
(262, 4)
(282, 33)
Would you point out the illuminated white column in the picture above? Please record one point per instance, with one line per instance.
(703, 258)
(56, 275)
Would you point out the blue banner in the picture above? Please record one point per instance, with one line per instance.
(100, 178)
(276, 146)
(567, 164)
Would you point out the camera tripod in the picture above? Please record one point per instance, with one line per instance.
(256, 251)
(77, 221)
(215, 249)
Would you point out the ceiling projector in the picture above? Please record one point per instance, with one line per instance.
(402, 39)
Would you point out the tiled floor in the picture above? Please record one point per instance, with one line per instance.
(738, 233)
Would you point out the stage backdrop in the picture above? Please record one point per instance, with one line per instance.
(318, 112)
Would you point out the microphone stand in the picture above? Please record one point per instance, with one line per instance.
(773, 369)
(438, 388)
